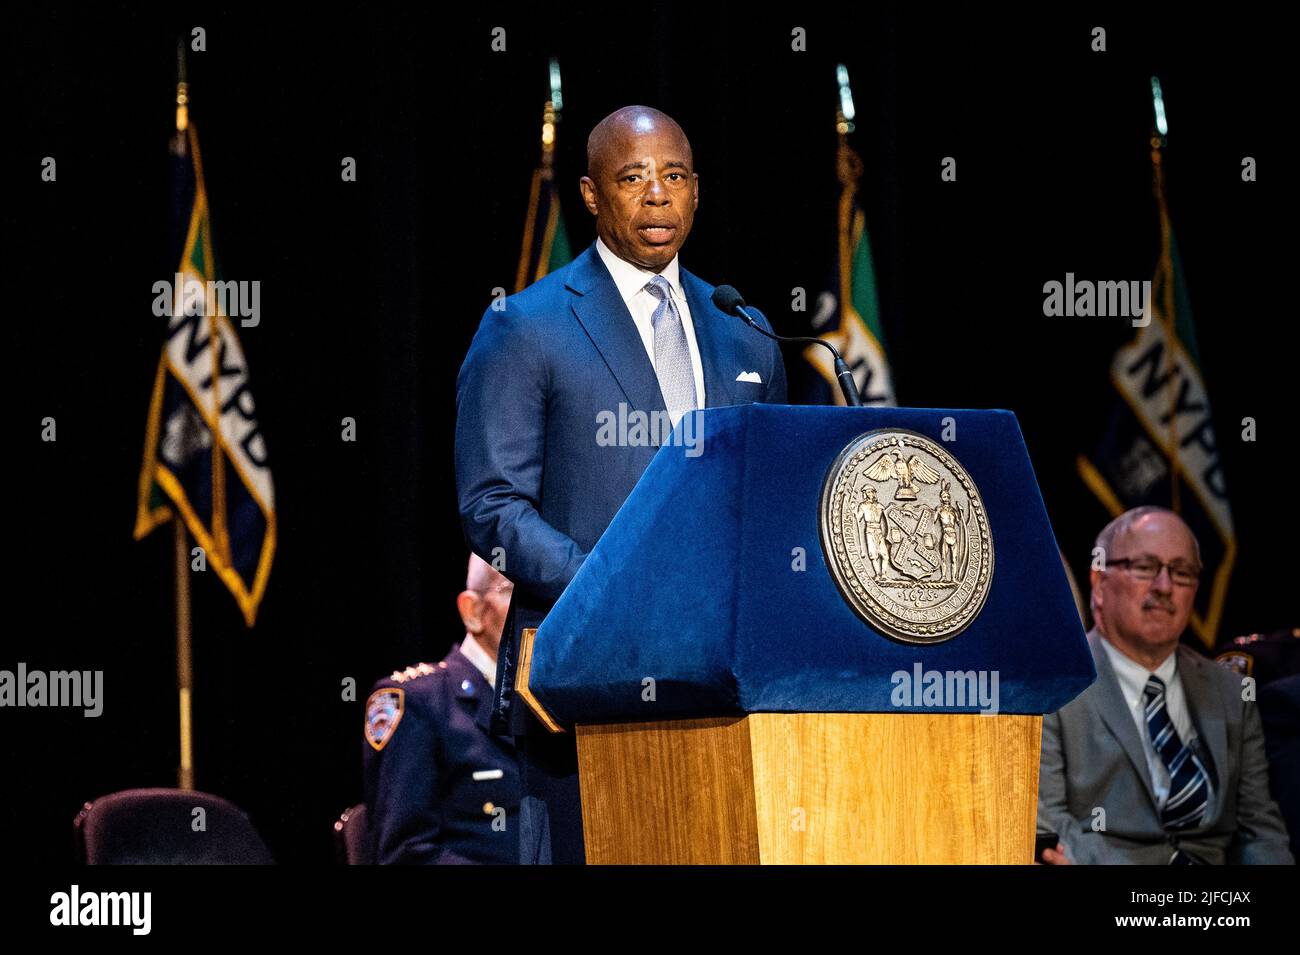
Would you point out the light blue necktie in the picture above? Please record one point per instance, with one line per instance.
(672, 354)
(1189, 783)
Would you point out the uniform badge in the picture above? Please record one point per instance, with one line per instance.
(383, 713)
(905, 536)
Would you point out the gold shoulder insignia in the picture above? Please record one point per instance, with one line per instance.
(410, 673)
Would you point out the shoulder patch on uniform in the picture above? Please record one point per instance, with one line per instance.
(383, 712)
(1237, 661)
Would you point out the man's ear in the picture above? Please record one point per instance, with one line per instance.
(588, 189)
(695, 190)
(1094, 596)
(470, 607)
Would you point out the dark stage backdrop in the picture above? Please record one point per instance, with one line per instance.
(373, 289)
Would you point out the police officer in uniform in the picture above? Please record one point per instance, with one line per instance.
(440, 789)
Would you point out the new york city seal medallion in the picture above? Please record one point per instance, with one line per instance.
(905, 536)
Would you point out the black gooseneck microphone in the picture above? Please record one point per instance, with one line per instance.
(726, 298)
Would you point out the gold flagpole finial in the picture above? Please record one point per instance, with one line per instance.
(551, 114)
(182, 89)
(848, 164)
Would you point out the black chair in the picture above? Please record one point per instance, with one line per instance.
(158, 827)
(352, 844)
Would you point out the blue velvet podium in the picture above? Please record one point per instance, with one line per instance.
(732, 706)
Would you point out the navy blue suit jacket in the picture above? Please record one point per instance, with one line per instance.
(423, 802)
(530, 475)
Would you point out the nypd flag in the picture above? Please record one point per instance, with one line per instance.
(205, 457)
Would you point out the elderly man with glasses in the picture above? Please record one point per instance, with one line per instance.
(1161, 760)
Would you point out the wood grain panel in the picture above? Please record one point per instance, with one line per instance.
(896, 788)
(679, 792)
(812, 788)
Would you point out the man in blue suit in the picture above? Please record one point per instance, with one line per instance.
(621, 329)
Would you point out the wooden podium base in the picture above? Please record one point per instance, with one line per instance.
(812, 788)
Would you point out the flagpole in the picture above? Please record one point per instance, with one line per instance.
(184, 662)
(543, 177)
(848, 168)
(1159, 137)
(184, 632)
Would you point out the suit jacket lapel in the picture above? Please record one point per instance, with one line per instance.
(1114, 712)
(715, 341)
(607, 321)
(1207, 711)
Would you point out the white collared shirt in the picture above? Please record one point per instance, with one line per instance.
(475, 654)
(631, 281)
(1133, 678)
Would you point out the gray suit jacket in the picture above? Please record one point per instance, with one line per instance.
(1093, 759)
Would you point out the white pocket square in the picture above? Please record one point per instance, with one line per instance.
(750, 376)
(482, 774)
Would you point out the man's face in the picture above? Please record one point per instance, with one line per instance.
(1149, 614)
(643, 192)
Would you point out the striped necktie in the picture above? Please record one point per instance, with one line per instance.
(672, 354)
(1189, 784)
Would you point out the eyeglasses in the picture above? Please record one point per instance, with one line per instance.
(1147, 567)
(502, 588)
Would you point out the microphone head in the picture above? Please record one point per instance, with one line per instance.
(727, 299)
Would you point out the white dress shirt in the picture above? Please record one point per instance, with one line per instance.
(1133, 678)
(631, 281)
(475, 654)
